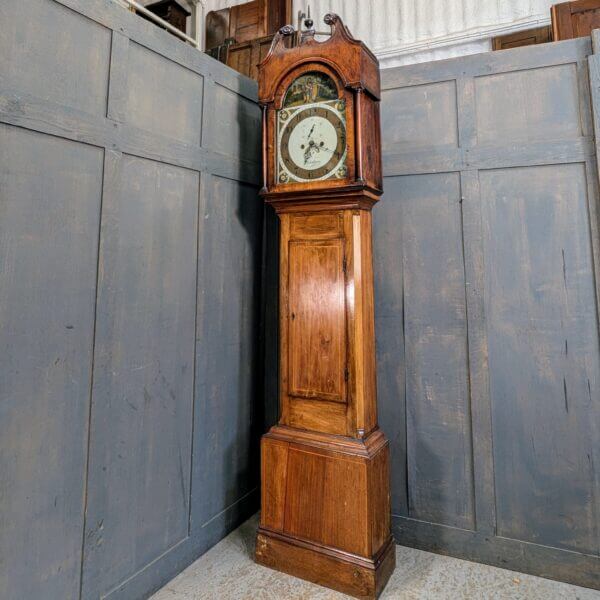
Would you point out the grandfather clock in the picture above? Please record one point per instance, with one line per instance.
(325, 466)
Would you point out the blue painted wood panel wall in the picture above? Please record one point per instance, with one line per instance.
(486, 266)
(131, 294)
(131, 241)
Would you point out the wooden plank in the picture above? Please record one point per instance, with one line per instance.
(270, 304)
(527, 37)
(466, 112)
(172, 110)
(70, 69)
(241, 119)
(274, 453)
(528, 105)
(439, 452)
(119, 73)
(434, 159)
(69, 99)
(562, 21)
(228, 417)
(593, 196)
(529, 57)
(571, 567)
(112, 16)
(419, 116)
(481, 418)
(49, 214)
(487, 156)
(440, 481)
(544, 354)
(54, 119)
(389, 335)
(141, 425)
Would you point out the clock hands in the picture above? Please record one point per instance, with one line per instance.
(313, 147)
(308, 152)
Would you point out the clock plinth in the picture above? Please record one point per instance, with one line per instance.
(325, 467)
(323, 500)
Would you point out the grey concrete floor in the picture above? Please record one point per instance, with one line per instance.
(227, 572)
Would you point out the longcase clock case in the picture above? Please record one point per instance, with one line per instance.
(325, 465)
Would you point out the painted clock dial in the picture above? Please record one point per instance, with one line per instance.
(311, 130)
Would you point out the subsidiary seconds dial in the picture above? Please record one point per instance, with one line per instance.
(312, 143)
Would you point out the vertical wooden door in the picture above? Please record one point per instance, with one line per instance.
(314, 368)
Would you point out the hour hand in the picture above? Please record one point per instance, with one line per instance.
(307, 154)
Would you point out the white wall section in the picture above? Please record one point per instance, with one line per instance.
(408, 31)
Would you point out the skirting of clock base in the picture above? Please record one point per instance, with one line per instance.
(347, 573)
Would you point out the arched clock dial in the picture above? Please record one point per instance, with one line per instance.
(312, 142)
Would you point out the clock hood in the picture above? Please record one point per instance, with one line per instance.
(356, 65)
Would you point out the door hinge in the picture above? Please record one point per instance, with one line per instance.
(344, 266)
(346, 374)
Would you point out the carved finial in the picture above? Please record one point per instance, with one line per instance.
(287, 30)
(308, 22)
(331, 19)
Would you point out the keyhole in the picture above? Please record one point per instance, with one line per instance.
(293, 316)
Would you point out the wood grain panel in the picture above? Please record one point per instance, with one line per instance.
(439, 455)
(575, 19)
(317, 226)
(274, 462)
(229, 410)
(317, 320)
(162, 96)
(248, 20)
(50, 195)
(379, 499)
(141, 424)
(365, 371)
(389, 336)
(333, 483)
(419, 116)
(543, 353)
(512, 106)
(440, 486)
(317, 415)
(528, 192)
(235, 126)
(141, 95)
(68, 67)
(527, 37)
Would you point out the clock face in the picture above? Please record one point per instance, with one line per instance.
(311, 142)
